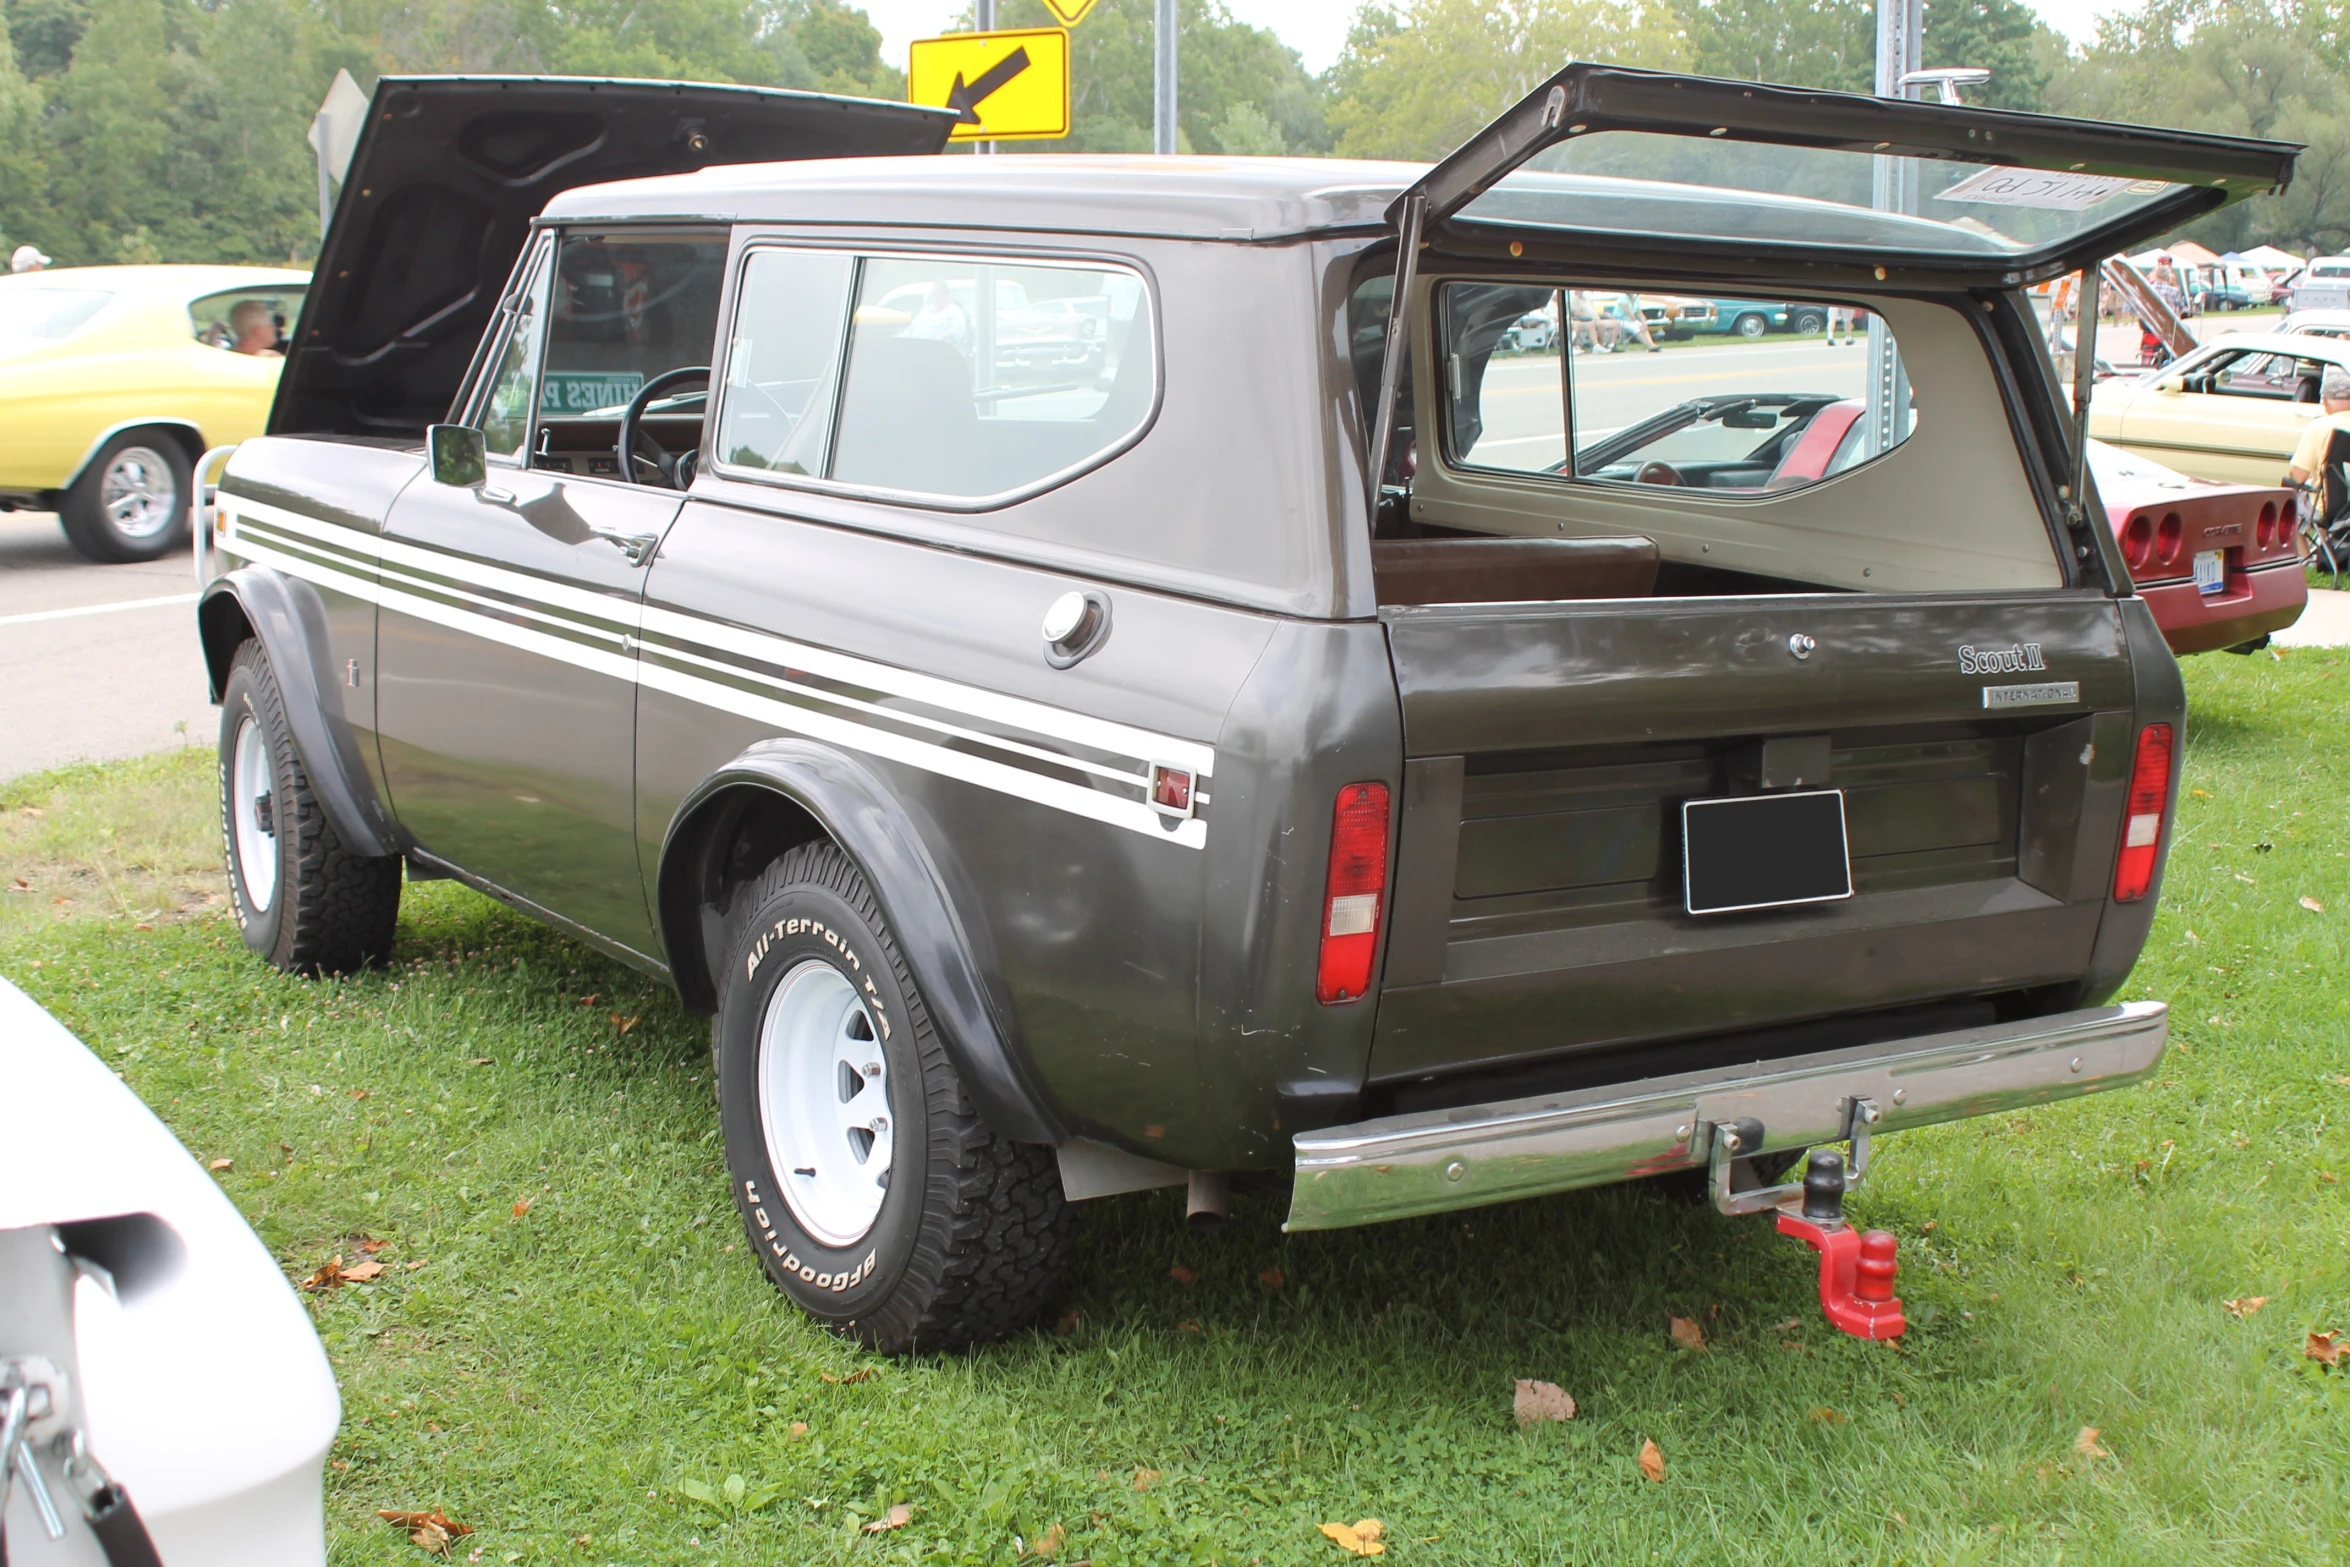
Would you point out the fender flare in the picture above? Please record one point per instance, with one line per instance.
(947, 955)
(290, 622)
(186, 428)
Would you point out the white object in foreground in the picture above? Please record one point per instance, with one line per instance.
(202, 1387)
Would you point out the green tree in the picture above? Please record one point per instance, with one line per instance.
(1416, 80)
(2001, 36)
(1828, 43)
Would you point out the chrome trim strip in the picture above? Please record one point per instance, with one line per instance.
(1439, 1160)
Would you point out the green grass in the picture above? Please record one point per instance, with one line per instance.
(562, 1376)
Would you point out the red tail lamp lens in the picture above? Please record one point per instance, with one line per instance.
(2168, 538)
(2142, 826)
(1357, 888)
(2138, 541)
(2268, 524)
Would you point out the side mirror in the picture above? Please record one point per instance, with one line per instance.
(459, 455)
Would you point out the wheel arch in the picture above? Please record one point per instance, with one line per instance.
(183, 432)
(780, 793)
(286, 618)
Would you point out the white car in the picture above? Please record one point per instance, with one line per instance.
(168, 1385)
(2316, 323)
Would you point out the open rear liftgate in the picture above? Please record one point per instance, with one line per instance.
(1442, 1160)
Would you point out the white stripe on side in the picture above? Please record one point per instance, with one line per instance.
(1077, 799)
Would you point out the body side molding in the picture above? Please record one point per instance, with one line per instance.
(950, 961)
(291, 623)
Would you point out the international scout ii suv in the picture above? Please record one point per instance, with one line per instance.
(1095, 674)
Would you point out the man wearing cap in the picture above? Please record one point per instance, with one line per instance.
(2309, 457)
(28, 258)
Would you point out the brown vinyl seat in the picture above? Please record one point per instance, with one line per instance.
(1510, 571)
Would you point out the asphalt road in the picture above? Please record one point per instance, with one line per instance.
(95, 661)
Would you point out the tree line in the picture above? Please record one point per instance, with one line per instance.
(138, 130)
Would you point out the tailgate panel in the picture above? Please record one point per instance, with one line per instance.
(1542, 913)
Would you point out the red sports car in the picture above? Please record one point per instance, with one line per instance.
(2219, 564)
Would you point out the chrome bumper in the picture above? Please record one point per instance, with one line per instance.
(1438, 1160)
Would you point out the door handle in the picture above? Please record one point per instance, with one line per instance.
(636, 546)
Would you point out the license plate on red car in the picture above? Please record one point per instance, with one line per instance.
(1764, 851)
(2211, 571)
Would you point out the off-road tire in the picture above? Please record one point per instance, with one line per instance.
(95, 535)
(332, 911)
(972, 1234)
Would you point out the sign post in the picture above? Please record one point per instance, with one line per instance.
(1901, 37)
(1163, 78)
(1006, 86)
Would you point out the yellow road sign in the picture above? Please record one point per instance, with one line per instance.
(1069, 12)
(1009, 86)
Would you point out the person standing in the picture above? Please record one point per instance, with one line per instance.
(28, 258)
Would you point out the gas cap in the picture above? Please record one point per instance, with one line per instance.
(1074, 625)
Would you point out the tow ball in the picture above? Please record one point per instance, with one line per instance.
(1856, 1268)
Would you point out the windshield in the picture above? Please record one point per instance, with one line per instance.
(1693, 188)
(35, 314)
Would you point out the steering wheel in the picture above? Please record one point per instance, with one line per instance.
(634, 446)
(1657, 473)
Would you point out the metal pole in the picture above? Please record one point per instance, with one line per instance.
(2076, 494)
(983, 14)
(1901, 32)
(1163, 79)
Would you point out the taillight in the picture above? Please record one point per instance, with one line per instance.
(2168, 538)
(2142, 826)
(2268, 525)
(1357, 886)
(2138, 542)
(2288, 525)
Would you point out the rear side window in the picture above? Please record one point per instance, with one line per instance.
(961, 379)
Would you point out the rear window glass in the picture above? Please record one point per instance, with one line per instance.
(961, 378)
(33, 314)
(1722, 395)
(247, 320)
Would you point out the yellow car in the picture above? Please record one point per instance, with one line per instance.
(114, 380)
(2231, 411)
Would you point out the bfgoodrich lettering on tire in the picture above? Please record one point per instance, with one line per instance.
(874, 1195)
(303, 901)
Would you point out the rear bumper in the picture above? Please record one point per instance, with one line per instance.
(1439, 1160)
(2255, 604)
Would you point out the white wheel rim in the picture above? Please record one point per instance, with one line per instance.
(251, 794)
(137, 493)
(824, 1103)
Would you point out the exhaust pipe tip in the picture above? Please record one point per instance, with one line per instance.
(1204, 1209)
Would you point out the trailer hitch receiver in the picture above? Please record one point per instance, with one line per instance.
(1856, 1269)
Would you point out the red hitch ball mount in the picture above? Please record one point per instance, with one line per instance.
(1856, 1269)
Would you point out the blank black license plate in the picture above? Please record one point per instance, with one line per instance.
(1765, 851)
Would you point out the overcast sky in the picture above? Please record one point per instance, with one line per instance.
(1316, 29)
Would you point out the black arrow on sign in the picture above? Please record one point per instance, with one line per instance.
(964, 100)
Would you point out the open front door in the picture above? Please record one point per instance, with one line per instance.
(2034, 194)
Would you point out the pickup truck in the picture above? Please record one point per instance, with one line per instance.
(1292, 744)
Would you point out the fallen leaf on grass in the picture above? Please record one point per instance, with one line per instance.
(2329, 1177)
(1050, 1542)
(1182, 1275)
(148, 925)
(361, 1272)
(21, 884)
(1827, 1416)
(851, 1378)
(2245, 1307)
(2324, 1348)
(370, 1245)
(1652, 1460)
(1361, 1538)
(329, 1275)
(479, 1061)
(522, 1205)
(1144, 1479)
(896, 1518)
(1188, 1325)
(2085, 1444)
(222, 1164)
(1687, 1333)
(799, 1428)
(2313, 906)
(1540, 1401)
(624, 1024)
(359, 1093)
(1067, 1324)
(431, 1531)
(1272, 1278)
(590, 999)
(1788, 1326)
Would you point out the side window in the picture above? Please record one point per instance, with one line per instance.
(624, 309)
(2278, 377)
(781, 368)
(505, 417)
(967, 378)
(247, 320)
(1742, 396)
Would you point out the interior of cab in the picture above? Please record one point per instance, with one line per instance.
(1583, 443)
